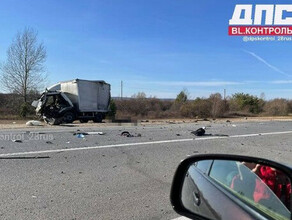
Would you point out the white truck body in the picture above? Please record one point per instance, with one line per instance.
(86, 95)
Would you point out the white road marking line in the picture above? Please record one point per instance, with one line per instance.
(210, 138)
(141, 143)
(96, 147)
(259, 134)
(244, 135)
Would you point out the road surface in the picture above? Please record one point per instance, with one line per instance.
(52, 174)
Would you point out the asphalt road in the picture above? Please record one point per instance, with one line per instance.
(52, 174)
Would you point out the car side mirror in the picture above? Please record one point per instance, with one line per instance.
(214, 186)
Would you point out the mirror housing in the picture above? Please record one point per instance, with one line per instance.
(182, 170)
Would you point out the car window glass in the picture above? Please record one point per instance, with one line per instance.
(223, 171)
(204, 165)
(248, 186)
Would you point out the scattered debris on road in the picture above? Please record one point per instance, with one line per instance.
(89, 133)
(199, 132)
(33, 123)
(49, 142)
(128, 134)
(95, 133)
(80, 135)
(17, 141)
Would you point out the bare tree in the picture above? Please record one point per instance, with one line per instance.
(217, 105)
(24, 69)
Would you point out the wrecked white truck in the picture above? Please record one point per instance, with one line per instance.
(72, 100)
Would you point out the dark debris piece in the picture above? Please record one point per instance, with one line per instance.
(199, 132)
(128, 134)
(17, 141)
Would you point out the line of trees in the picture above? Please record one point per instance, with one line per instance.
(239, 104)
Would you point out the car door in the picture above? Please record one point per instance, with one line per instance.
(202, 196)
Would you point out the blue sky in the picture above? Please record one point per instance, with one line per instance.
(156, 46)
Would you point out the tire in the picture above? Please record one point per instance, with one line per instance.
(83, 120)
(53, 121)
(98, 118)
(68, 117)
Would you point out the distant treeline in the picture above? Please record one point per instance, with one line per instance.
(139, 106)
(237, 105)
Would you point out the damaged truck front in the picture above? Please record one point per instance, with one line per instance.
(77, 99)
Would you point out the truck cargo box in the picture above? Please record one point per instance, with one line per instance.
(87, 95)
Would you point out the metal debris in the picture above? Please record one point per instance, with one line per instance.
(95, 132)
(199, 132)
(17, 141)
(89, 133)
(33, 123)
(128, 134)
(80, 136)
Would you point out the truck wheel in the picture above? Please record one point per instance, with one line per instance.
(53, 121)
(68, 117)
(98, 118)
(83, 120)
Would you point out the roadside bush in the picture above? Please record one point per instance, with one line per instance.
(218, 106)
(202, 108)
(277, 107)
(198, 108)
(11, 105)
(289, 106)
(25, 110)
(246, 103)
(113, 109)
